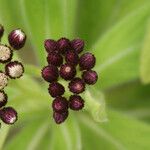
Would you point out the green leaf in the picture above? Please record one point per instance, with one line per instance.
(118, 50)
(95, 104)
(131, 98)
(145, 58)
(4, 129)
(119, 133)
(95, 18)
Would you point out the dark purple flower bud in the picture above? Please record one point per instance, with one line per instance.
(3, 80)
(63, 45)
(90, 76)
(67, 71)
(60, 117)
(60, 104)
(3, 98)
(77, 85)
(87, 61)
(50, 73)
(1, 31)
(50, 45)
(76, 102)
(5, 53)
(8, 115)
(56, 89)
(14, 69)
(71, 57)
(54, 58)
(77, 45)
(17, 39)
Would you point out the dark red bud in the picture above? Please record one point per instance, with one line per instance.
(50, 45)
(17, 39)
(3, 98)
(56, 89)
(54, 58)
(87, 61)
(90, 76)
(77, 45)
(77, 85)
(14, 69)
(8, 115)
(63, 45)
(1, 31)
(60, 117)
(5, 53)
(76, 102)
(67, 71)
(50, 73)
(60, 104)
(71, 57)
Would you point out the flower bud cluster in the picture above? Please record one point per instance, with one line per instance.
(13, 69)
(64, 58)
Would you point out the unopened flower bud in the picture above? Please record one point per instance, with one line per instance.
(60, 104)
(54, 58)
(77, 45)
(8, 115)
(50, 73)
(17, 39)
(50, 45)
(87, 61)
(76, 102)
(56, 89)
(90, 76)
(71, 57)
(60, 117)
(67, 71)
(63, 45)
(77, 85)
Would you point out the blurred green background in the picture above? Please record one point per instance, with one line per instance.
(117, 112)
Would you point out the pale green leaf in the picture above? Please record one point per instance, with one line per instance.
(118, 50)
(145, 59)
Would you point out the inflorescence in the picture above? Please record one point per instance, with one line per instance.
(70, 51)
(13, 69)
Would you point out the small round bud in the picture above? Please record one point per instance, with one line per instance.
(63, 45)
(56, 89)
(50, 73)
(8, 115)
(50, 45)
(67, 71)
(17, 39)
(60, 117)
(3, 80)
(14, 69)
(77, 45)
(1, 31)
(5, 53)
(76, 102)
(71, 57)
(60, 104)
(54, 58)
(77, 85)
(87, 61)
(90, 76)
(3, 98)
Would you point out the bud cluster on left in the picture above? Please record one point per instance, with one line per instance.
(12, 69)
